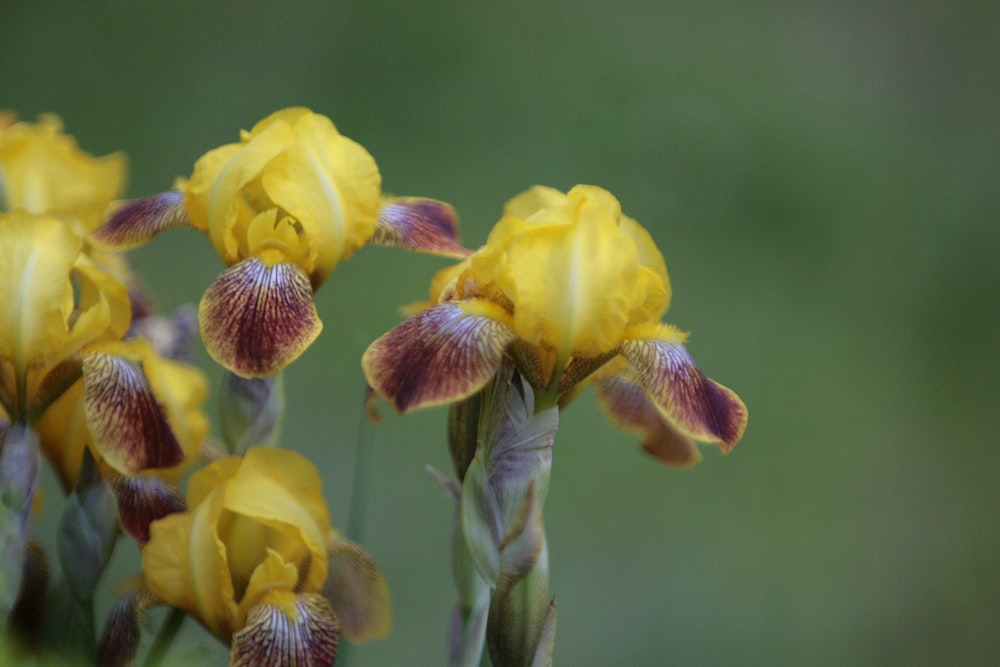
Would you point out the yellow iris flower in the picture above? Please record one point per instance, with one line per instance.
(62, 319)
(43, 171)
(251, 560)
(283, 206)
(573, 290)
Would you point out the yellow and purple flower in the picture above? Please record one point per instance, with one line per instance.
(62, 323)
(256, 561)
(574, 291)
(283, 206)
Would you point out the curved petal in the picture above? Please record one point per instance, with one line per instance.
(256, 319)
(628, 405)
(357, 591)
(331, 185)
(697, 406)
(572, 276)
(287, 630)
(281, 489)
(135, 223)
(441, 355)
(273, 573)
(420, 224)
(44, 171)
(143, 500)
(36, 298)
(128, 425)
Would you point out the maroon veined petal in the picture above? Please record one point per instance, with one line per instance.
(141, 501)
(123, 630)
(256, 319)
(357, 592)
(441, 355)
(129, 427)
(292, 631)
(135, 223)
(628, 405)
(420, 224)
(694, 404)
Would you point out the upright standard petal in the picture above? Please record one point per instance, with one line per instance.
(415, 223)
(36, 299)
(697, 406)
(331, 186)
(572, 276)
(135, 223)
(256, 319)
(441, 355)
(43, 171)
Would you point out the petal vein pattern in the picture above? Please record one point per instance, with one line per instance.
(441, 355)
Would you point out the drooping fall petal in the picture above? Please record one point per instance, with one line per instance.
(256, 319)
(136, 222)
(416, 223)
(288, 630)
(129, 427)
(357, 592)
(697, 406)
(628, 405)
(441, 355)
(143, 500)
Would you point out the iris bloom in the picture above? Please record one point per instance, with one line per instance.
(43, 171)
(63, 319)
(283, 206)
(574, 291)
(251, 560)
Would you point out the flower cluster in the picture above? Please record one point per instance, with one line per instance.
(567, 291)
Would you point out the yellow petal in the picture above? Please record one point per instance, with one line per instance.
(43, 171)
(331, 186)
(36, 299)
(271, 575)
(532, 200)
(282, 490)
(184, 564)
(572, 278)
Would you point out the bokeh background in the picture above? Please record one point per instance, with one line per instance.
(822, 178)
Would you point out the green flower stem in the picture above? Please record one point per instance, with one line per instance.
(165, 637)
(359, 485)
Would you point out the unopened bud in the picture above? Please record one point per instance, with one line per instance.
(251, 411)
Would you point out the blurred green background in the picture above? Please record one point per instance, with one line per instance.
(822, 178)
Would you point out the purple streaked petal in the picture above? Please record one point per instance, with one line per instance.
(286, 630)
(129, 426)
(141, 501)
(441, 355)
(628, 405)
(697, 406)
(256, 319)
(135, 223)
(420, 224)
